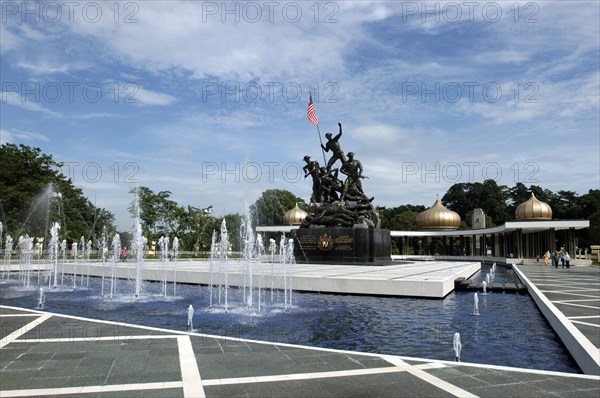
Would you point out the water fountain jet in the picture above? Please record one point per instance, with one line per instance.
(457, 346)
(475, 304)
(190, 318)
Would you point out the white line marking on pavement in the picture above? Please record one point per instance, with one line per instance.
(91, 339)
(570, 293)
(16, 315)
(431, 379)
(576, 301)
(20, 332)
(584, 317)
(576, 305)
(91, 389)
(301, 376)
(587, 324)
(190, 375)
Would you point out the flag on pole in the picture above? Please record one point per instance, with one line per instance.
(312, 114)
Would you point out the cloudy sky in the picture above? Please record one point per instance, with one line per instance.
(208, 99)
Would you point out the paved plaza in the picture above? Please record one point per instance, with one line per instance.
(47, 354)
(44, 354)
(569, 298)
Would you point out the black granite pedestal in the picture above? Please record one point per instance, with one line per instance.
(336, 245)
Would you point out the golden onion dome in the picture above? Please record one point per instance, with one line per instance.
(533, 209)
(294, 216)
(438, 217)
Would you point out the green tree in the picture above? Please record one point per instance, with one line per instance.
(592, 237)
(589, 208)
(489, 196)
(589, 203)
(34, 194)
(270, 208)
(517, 195)
(458, 198)
(401, 218)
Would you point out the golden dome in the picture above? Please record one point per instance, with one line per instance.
(533, 209)
(438, 217)
(294, 216)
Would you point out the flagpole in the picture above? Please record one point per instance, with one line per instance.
(322, 150)
(319, 132)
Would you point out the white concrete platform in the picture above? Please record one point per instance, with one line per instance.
(429, 279)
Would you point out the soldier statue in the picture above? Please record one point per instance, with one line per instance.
(353, 186)
(334, 146)
(312, 168)
(330, 185)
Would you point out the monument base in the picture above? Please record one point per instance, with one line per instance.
(337, 245)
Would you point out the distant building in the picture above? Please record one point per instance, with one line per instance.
(530, 235)
(478, 219)
(533, 233)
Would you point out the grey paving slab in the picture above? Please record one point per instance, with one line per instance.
(591, 332)
(41, 365)
(577, 283)
(486, 382)
(573, 295)
(574, 310)
(166, 392)
(11, 324)
(242, 362)
(8, 311)
(401, 384)
(508, 390)
(153, 356)
(66, 328)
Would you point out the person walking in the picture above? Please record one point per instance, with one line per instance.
(546, 255)
(562, 260)
(124, 254)
(567, 260)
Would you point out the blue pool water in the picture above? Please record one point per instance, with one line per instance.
(510, 330)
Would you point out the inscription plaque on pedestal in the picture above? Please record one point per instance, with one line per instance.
(359, 246)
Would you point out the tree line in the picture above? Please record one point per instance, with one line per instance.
(499, 203)
(34, 194)
(30, 182)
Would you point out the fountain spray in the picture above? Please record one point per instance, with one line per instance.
(456, 344)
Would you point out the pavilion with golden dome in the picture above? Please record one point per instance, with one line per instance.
(532, 233)
(294, 216)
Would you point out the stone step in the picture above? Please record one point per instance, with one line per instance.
(462, 284)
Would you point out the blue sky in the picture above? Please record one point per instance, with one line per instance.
(208, 99)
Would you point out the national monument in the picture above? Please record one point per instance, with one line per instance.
(342, 225)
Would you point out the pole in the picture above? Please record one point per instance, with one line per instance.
(316, 125)
(322, 150)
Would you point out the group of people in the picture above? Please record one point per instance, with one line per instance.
(327, 187)
(557, 258)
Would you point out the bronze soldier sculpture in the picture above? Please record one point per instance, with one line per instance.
(336, 202)
(342, 225)
(312, 168)
(353, 186)
(330, 185)
(333, 145)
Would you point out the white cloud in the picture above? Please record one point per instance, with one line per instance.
(47, 68)
(14, 136)
(148, 97)
(367, 54)
(16, 99)
(95, 115)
